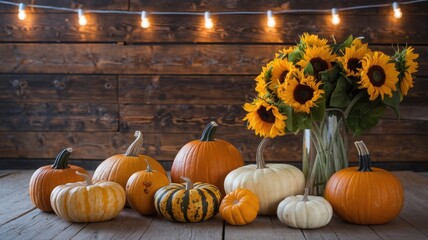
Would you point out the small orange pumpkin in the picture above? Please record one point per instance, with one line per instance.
(46, 178)
(206, 160)
(365, 195)
(120, 167)
(239, 207)
(141, 189)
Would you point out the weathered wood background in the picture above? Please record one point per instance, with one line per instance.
(91, 87)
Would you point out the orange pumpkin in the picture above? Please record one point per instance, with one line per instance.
(365, 195)
(141, 189)
(206, 160)
(120, 167)
(239, 207)
(46, 178)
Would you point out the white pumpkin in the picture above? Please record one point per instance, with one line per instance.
(270, 182)
(305, 211)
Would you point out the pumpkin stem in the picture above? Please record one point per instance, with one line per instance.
(88, 179)
(149, 168)
(209, 132)
(61, 161)
(305, 196)
(189, 183)
(134, 149)
(364, 157)
(260, 161)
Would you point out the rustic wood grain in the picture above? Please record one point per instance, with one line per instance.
(104, 5)
(398, 229)
(164, 146)
(261, 228)
(286, 232)
(58, 88)
(160, 228)
(161, 89)
(376, 28)
(58, 117)
(344, 230)
(147, 59)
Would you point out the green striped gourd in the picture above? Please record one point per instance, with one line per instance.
(188, 202)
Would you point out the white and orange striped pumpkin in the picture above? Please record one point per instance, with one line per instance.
(87, 201)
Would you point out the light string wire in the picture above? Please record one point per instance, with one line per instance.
(213, 13)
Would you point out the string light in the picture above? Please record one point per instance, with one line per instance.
(208, 21)
(397, 10)
(271, 20)
(335, 19)
(82, 18)
(145, 23)
(21, 12)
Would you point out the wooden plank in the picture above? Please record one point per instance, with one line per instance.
(425, 174)
(276, 5)
(344, 230)
(34, 225)
(161, 89)
(128, 225)
(181, 118)
(164, 146)
(58, 88)
(286, 232)
(160, 228)
(4, 173)
(104, 5)
(384, 29)
(398, 229)
(261, 228)
(58, 117)
(147, 59)
(14, 196)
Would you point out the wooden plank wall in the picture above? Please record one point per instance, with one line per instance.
(91, 87)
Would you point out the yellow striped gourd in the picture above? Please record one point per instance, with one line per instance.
(188, 202)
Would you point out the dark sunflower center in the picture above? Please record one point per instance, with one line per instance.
(266, 116)
(354, 64)
(319, 65)
(282, 76)
(303, 93)
(376, 75)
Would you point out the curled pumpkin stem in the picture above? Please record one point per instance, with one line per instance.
(305, 196)
(189, 183)
(260, 161)
(135, 147)
(61, 161)
(88, 179)
(149, 168)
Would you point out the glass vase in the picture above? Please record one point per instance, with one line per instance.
(325, 151)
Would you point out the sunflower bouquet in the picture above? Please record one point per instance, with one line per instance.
(320, 86)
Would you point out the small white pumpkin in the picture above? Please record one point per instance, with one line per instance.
(270, 182)
(305, 211)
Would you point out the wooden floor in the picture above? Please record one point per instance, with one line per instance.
(19, 219)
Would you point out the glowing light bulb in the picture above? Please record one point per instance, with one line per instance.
(208, 21)
(271, 20)
(397, 10)
(335, 16)
(82, 18)
(21, 12)
(145, 23)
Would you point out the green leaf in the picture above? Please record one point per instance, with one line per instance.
(318, 112)
(340, 97)
(309, 69)
(295, 56)
(393, 102)
(342, 46)
(364, 115)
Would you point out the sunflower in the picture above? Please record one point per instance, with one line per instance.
(265, 119)
(351, 60)
(357, 43)
(378, 75)
(300, 92)
(319, 57)
(281, 68)
(284, 52)
(410, 68)
(311, 40)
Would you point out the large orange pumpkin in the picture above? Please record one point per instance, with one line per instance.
(46, 178)
(206, 160)
(120, 167)
(365, 194)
